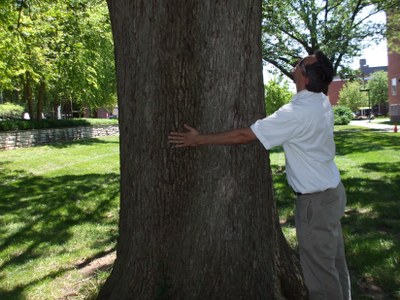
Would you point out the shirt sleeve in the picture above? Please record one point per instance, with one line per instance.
(277, 128)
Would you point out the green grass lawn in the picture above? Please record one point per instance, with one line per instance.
(369, 162)
(59, 207)
(59, 211)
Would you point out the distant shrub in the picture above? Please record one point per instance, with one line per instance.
(276, 93)
(8, 125)
(343, 115)
(10, 111)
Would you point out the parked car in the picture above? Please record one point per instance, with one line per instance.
(364, 113)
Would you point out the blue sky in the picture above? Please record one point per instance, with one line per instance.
(376, 55)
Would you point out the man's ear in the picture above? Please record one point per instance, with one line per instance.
(306, 80)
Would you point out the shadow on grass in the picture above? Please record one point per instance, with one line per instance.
(386, 122)
(372, 227)
(85, 142)
(371, 223)
(40, 214)
(364, 141)
(18, 293)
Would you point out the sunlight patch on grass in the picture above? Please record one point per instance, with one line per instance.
(290, 234)
(369, 163)
(61, 208)
(61, 205)
(364, 210)
(376, 255)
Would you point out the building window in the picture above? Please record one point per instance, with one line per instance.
(394, 110)
(394, 86)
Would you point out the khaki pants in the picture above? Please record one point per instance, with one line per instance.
(321, 248)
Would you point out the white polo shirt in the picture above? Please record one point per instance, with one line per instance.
(304, 128)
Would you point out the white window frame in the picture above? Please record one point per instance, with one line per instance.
(394, 86)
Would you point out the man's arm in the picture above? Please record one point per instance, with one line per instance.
(193, 138)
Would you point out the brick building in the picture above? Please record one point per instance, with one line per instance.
(334, 90)
(393, 69)
(394, 86)
(337, 83)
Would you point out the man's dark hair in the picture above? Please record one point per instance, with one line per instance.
(320, 73)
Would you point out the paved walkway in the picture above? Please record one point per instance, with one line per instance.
(373, 125)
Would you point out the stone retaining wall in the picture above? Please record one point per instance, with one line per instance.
(28, 138)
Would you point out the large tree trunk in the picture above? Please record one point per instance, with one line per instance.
(28, 96)
(194, 223)
(40, 101)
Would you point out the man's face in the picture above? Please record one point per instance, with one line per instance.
(299, 71)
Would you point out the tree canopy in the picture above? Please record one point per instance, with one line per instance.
(355, 95)
(295, 28)
(352, 96)
(65, 47)
(378, 88)
(393, 32)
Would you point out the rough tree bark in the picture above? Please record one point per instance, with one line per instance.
(194, 223)
(40, 99)
(28, 97)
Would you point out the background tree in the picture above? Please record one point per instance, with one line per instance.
(295, 28)
(26, 35)
(351, 96)
(393, 24)
(378, 88)
(56, 50)
(85, 74)
(194, 223)
(276, 93)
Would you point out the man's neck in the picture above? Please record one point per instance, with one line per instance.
(300, 88)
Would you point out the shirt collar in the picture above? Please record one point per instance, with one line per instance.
(304, 94)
